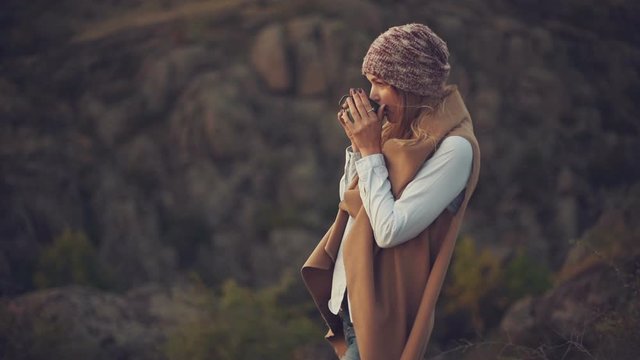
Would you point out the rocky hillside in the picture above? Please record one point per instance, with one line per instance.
(198, 138)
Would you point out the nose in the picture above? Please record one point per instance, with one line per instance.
(373, 94)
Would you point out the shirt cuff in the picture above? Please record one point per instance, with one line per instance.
(366, 164)
(355, 154)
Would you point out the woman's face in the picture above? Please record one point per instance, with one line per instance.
(386, 94)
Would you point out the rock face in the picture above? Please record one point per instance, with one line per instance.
(595, 309)
(305, 55)
(77, 322)
(593, 314)
(270, 58)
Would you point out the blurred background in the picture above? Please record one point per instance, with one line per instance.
(167, 166)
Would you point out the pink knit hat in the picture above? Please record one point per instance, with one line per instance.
(410, 57)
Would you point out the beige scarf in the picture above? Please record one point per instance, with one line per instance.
(393, 291)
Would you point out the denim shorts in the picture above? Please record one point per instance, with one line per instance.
(352, 352)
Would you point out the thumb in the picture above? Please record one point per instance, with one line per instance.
(344, 124)
(382, 112)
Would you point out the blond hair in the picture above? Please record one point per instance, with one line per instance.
(414, 110)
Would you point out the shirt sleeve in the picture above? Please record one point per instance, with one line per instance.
(436, 185)
(349, 170)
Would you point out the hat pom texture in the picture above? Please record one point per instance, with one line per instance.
(411, 58)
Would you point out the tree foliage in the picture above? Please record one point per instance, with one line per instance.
(70, 259)
(245, 324)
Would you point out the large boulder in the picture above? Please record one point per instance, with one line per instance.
(269, 58)
(594, 314)
(77, 322)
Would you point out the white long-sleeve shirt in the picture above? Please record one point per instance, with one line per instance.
(437, 186)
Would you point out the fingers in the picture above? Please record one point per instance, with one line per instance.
(340, 118)
(353, 109)
(363, 104)
(356, 108)
(358, 113)
(360, 106)
(344, 122)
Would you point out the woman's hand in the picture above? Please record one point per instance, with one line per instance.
(343, 118)
(366, 128)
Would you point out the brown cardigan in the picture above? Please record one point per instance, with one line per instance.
(393, 291)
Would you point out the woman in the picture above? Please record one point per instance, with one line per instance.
(376, 274)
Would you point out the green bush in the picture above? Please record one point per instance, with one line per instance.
(482, 285)
(70, 259)
(524, 276)
(474, 276)
(245, 324)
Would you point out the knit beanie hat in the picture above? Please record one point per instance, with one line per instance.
(411, 58)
